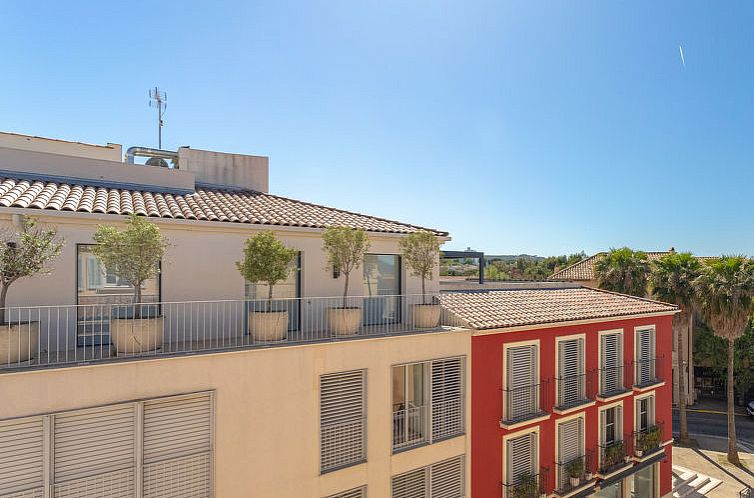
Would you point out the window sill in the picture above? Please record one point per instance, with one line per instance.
(577, 490)
(517, 424)
(649, 387)
(614, 471)
(614, 397)
(574, 408)
(648, 455)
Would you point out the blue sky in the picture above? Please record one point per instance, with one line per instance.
(538, 127)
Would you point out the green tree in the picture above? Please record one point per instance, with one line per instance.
(133, 253)
(725, 294)
(710, 351)
(672, 280)
(623, 270)
(25, 254)
(345, 248)
(265, 259)
(420, 250)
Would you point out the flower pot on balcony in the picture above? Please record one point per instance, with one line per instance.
(574, 481)
(639, 453)
(136, 335)
(588, 476)
(268, 326)
(343, 321)
(18, 342)
(426, 316)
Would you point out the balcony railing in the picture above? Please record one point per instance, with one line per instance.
(574, 473)
(528, 485)
(410, 427)
(525, 402)
(612, 381)
(647, 372)
(49, 336)
(612, 456)
(573, 391)
(648, 440)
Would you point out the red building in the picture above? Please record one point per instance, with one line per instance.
(571, 393)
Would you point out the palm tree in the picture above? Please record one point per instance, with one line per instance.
(623, 270)
(672, 280)
(725, 294)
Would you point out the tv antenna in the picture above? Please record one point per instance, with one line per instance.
(158, 99)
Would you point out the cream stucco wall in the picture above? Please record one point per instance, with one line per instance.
(267, 414)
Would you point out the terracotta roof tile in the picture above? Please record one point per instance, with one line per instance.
(584, 269)
(518, 307)
(205, 203)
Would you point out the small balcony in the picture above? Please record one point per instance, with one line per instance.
(528, 485)
(524, 404)
(410, 427)
(612, 457)
(647, 373)
(612, 383)
(575, 474)
(573, 393)
(58, 336)
(648, 442)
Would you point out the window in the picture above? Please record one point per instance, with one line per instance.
(611, 364)
(521, 391)
(645, 357)
(94, 450)
(98, 290)
(612, 491)
(644, 415)
(360, 492)
(643, 483)
(428, 401)
(521, 460)
(382, 288)
(342, 419)
(570, 448)
(285, 294)
(440, 480)
(610, 426)
(612, 449)
(571, 382)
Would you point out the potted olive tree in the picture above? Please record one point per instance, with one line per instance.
(345, 248)
(421, 250)
(23, 254)
(133, 254)
(575, 469)
(267, 260)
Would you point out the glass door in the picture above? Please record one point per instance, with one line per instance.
(382, 286)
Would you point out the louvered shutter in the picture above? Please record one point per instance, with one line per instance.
(352, 493)
(570, 445)
(447, 398)
(178, 446)
(612, 353)
(522, 457)
(522, 396)
(342, 419)
(94, 452)
(22, 457)
(413, 484)
(571, 389)
(645, 348)
(446, 479)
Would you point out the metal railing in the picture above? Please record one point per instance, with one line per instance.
(612, 456)
(647, 372)
(572, 391)
(410, 427)
(525, 402)
(528, 485)
(46, 336)
(648, 440)
(574, 473)
(612, 381)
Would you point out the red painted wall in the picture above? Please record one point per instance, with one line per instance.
(486, 396)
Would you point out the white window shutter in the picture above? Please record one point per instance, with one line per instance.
(342, 419)
(521, 378)
(413, 484)
(570, 445)
(22, 457)
(612, 357)
(360, 492)
(522, 457)
(447, 478)
(645, 355)
(448, 391)
(571, 385)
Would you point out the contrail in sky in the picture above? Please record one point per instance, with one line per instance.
(683, 59)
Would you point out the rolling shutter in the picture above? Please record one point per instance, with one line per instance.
(521, 374)
(570, 368)
(612, 353)
(446, 479)
(411, 484)
(522, 457)
(178, 446)
(570, 445)
(645, 348)
(22, 457)
(447, 398)
(352, 493)
(342, 419)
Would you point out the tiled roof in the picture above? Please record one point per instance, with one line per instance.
(205, 204)
(519, 307)
(584, 269)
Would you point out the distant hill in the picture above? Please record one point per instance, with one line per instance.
(512, 257)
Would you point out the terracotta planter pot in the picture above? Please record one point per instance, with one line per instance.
(268, 325)
(343, 321)
(426, 316)
(136, 335)
(18, 342)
